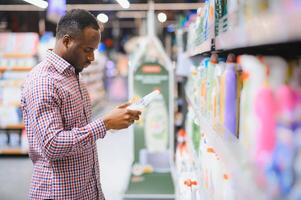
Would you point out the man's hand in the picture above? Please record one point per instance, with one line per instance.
(121, 117)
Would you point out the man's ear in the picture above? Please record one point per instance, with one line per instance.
(67, 39)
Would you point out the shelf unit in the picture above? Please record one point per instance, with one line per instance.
(13, 152)
(229, 150)
(13, 127)
(266, 33)
(262, 29)
(18, 55)
(25, 69)
(204, 48)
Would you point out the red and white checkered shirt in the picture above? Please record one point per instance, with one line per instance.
(57, 115)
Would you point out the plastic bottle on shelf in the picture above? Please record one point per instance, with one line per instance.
(219, 69)
(181, 150)
(222, 97)
(265, 106)
(254, 75)
(239, 75)
(210, 81)
(296, 190)
(203, 86)
(277, 70)
(284, 152)
(230, 95)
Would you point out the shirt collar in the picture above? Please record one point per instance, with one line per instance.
(58, 62)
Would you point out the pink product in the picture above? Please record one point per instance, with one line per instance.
(265, 107)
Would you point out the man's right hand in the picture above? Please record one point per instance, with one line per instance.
(121, 117)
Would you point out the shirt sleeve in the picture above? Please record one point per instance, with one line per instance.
(44, 107)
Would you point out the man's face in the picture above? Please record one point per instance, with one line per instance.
(80, 50)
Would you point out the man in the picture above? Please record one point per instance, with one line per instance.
(57, 115)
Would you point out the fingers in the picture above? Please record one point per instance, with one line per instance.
(124, 105)
(134, 112)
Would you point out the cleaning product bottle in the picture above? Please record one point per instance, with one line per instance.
(239, 79)
(265, 107)
(219, 69)
(144, 101)
(254, 70)
(277, 70)
(222, 97)
(284, 151)
(295, 82)
(230, 95)
(210, 81)
(203, 88)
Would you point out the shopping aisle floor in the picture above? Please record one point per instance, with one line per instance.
(114, 153)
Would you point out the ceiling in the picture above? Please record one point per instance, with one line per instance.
(24, 21)
(104, 1)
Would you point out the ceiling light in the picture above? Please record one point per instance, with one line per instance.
(103, 18)
(38, 3)
(124, 3)
(162, 17)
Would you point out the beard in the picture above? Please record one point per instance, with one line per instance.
(78, 70)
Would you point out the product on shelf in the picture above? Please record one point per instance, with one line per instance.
(267, 107)
(231, 99)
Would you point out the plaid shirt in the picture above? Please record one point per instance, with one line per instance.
(57, 115)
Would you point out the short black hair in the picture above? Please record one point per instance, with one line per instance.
(74, 22)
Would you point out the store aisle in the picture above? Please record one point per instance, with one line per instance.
(114, 156)
(15, 174)
(114, 153)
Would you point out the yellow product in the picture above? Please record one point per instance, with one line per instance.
(222, 99)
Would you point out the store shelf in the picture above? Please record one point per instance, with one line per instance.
(2, 69)
(13, 126)
(13, 151)
(202, 48)
(274, 29)
(231, 153)
(17, 55)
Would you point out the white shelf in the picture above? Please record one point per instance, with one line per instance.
(232, 154)
(202, 48)
(264, 29)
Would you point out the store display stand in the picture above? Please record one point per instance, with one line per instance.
(151, 69)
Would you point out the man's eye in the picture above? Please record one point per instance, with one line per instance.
(87, 50)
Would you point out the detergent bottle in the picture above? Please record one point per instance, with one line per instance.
(230, 95)
(265, 108)
(254, 72)
(210, 81)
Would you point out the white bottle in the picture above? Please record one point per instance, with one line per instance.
(143, 102)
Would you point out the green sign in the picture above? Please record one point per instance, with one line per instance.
(151, 133)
